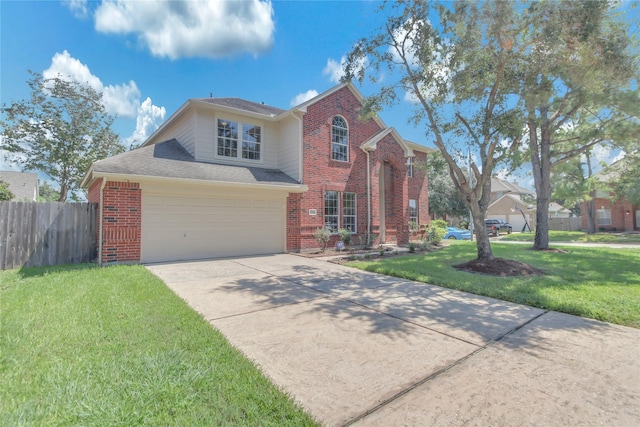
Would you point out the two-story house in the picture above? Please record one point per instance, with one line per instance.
(230, 177)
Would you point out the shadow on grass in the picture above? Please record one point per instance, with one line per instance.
(383, 304)
(26, 272)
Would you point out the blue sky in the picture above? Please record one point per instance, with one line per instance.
(148, 58)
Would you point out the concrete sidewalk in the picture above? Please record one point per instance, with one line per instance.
(360, 348)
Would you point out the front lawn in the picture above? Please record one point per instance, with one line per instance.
(114, 346)
(577, 236)
(599, 283)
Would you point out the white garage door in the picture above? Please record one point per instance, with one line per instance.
(183, 227)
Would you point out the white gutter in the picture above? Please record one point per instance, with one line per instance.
(102, 185)
(291, 188)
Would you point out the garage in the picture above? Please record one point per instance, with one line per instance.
(188, 224)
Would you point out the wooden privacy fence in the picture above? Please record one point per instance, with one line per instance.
(566, 224)
(39, 234)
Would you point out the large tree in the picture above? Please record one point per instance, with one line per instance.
(578, 67)
(456, 62)
(60, 130)
(444, 199)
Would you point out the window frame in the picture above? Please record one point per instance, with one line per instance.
(603, 214)
(414, 209)
(410, 167)
(242, 142)
(333, 213)
(354, 208)
(335, 208)
(335, 139)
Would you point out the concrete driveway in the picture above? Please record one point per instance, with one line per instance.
(365, 349)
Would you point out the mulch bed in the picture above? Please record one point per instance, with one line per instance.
(499, 267)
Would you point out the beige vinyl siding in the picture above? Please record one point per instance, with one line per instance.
(206, 140)
(289, 147)
(183, 223)
(183, 129)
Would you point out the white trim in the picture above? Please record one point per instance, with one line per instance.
(298, 188)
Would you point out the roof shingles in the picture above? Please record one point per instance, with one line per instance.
(170, 160)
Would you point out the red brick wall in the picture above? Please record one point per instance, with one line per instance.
(321, 173)
(121, 222)
(620, 220)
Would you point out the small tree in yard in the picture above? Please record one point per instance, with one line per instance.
(436, 231)
(60, 130)
(345, 236)
(5, 193)
(322, 235)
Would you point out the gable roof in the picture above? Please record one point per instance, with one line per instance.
(169, 160)
(504, 186)
(372, 143)
(23, 185)
(244, 105)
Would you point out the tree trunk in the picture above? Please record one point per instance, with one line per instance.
(482, 237)
(63, 192)
(541, 168)
(590, 212)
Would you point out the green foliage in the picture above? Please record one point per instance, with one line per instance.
(5, 193)
(444, 199)
(47, 193)
(345, 236)
(412, 248)
(577, 281)
(60, 130)
(322, 236)
(436, 231)
(115, 346)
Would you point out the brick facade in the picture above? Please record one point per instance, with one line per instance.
(121, 226)
(321, 173)
(623, 215)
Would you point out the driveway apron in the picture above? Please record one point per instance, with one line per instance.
(361, 348)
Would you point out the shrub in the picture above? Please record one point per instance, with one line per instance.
(412, 248)
(436, 231)
(345, 236)
(464, 225)
(322, 235)
(413, 227)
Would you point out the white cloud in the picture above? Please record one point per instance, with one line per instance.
(304, 96)
(78, 7)
(334, 69)
(150, 117)
(122, 99)
(68, 67)
(177, 29)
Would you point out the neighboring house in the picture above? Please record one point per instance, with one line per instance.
(23, 185)
(558, 211)
(612, 214)
(512, 203)
(229, 177)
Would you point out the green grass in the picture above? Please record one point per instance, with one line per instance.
(577, 236)
(598, 283)
(114, 346)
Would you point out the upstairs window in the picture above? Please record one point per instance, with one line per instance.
(339, 139)
(410, 167)
(229, 140)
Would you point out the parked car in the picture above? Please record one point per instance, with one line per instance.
(455, 233)
(496, 226)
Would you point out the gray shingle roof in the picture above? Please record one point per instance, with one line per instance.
(170, 160)
(242, 104)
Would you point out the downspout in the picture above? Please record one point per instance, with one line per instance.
(368, 198)
(100, 225)
(299, 119)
